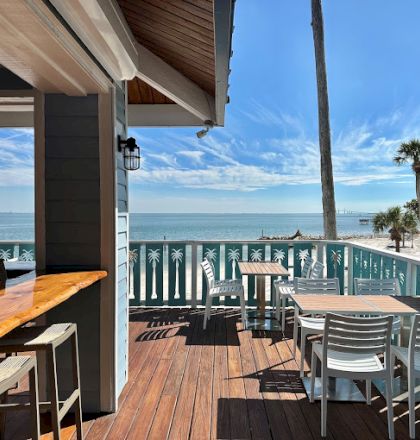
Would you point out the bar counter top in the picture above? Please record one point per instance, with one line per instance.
(24, 301)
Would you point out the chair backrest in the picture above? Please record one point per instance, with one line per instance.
(307, 267)
(317, 270)
(414, 343)
(349, 334)
(326, 286)
(365, 286)
(208, 272)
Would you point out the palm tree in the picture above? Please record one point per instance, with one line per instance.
(303, 255)
(410, 221)
(410, 152)
(154, 256)
(5, 254)
(233, 256)
(177, 255)
(336, 259)
(279, 255)
(393, 219)
(256, 254)
(211, 255)
(27, 255)
(327, 178)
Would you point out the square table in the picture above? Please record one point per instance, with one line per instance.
(345, 389)
(262, 269)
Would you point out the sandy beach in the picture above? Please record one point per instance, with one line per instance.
(384, 243)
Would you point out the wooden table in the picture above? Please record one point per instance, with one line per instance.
(345, 389)
(262, 321)
(28, 300)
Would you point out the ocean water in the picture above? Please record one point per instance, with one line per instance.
(205, 226)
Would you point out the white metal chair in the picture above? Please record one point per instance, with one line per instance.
(317, 271)
(285, 289)
(233, 288)
(350, 350)
(217, 283)
(311, 325)
(12, 370)
(410, 357)
(366, 286)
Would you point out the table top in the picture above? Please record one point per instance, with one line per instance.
(25, 301)
(262, 268)
(363, 304)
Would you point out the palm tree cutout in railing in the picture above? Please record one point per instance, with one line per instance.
(387, 273)
(336, 259)
(132, 260)
(303, 255)
(375, 267)
(176, 256)
(233, 256)
(356, 259)
(256, 254)
(279, 255)
(27, 255)
(365, 264)
(401, 278)
(154, 256)
(211, 255)
(5, 254)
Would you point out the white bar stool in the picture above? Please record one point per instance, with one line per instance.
(12, 369)
(47, 339)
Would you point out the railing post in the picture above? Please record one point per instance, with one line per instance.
(194, 275)
(349, 269)
(320, 252)
(411, 279)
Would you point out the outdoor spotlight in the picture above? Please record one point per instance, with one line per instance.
(131, 153)
(202, 133)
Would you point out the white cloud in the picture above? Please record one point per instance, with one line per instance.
(194, 155)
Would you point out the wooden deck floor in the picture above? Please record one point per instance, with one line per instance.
(224, 383)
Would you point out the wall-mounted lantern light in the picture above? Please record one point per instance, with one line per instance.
(131, 153)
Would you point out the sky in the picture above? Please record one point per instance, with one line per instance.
(266, 158)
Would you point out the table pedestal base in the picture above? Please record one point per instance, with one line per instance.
(339, 390)
(399, 389)
(258, 320)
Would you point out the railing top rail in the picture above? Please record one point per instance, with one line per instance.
(386, 253)
(198, 242)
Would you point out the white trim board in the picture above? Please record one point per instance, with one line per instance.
(160, 115)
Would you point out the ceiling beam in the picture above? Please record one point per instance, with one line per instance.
(102, 27)
(160, 115)
(169, 81)
(37, 47)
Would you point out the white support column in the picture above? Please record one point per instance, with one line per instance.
(194, 275)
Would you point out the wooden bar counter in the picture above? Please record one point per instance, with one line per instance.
(23, 302)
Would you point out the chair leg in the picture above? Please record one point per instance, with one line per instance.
(368, 391)
(76, 385)
(33, 390)
(207, 312)
(3, 399)
(283, 312)
(411, 404)
(390, 408)
(52, 373)
(314, 362)
(324, 380)
(295, 333)
(243, 310)
(303, 336)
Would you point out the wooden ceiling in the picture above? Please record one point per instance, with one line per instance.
(181, 32)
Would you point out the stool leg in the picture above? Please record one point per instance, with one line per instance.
(52, 379)
(3, 399)
(33, 389)
(76, 385)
